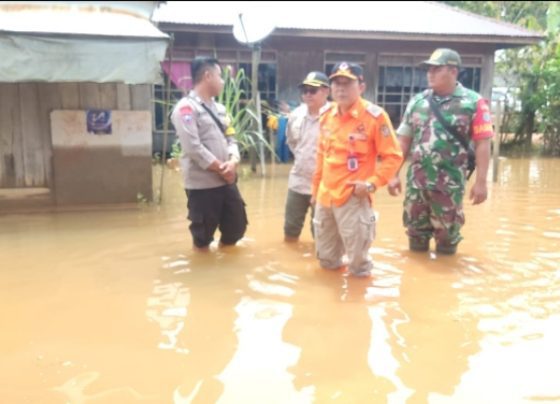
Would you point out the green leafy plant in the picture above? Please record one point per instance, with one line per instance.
(241, 111)
(176, 149)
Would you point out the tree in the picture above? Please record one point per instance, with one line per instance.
(551, 84)
(535, 69)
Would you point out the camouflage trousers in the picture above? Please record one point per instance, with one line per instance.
(432, 213)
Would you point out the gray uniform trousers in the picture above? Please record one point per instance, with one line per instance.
(349, 229)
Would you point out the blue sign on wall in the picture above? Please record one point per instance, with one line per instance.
(99, 122)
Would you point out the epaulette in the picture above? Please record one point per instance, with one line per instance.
(426, 93)
(419, 97)
(374, 110)
(194, 102)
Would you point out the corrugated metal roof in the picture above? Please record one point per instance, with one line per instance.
(66, 18)
(404, 17)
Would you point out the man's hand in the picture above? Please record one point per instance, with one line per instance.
(360, 188)
(227, 171)
(394, 186)
(479, 192)
(215, 166)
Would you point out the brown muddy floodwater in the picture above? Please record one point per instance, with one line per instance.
(114, 307)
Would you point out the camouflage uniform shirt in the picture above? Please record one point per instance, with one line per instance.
(438, 161)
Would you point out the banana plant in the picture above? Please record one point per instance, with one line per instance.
(241, 111)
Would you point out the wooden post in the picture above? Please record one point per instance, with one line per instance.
(254, 97)
(166, 120)
(272, 142)
(260, 129)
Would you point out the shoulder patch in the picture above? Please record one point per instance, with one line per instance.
(186, 113)
(186, 110)
(385, 130)
(374, 110)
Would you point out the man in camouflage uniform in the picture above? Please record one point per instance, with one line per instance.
(436, 177)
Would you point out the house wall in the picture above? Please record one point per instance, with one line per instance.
(300, 55)
(295, 56)
(101, 168)
(27, 155)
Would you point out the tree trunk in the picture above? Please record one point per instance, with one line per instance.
(529, 129)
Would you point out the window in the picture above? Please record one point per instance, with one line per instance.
(396, 85)
(237, 59)
(470, 78)
(160, 100)
(266, 78)
(400, 78)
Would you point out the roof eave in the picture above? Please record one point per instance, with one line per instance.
(412, 36)
(497, 40)
(162, 37)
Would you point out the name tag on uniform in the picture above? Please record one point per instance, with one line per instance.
(352, 163)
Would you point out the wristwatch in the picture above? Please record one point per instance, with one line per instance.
(370, 187)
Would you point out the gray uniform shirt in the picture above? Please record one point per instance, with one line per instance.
(301, 136)
(202, 141)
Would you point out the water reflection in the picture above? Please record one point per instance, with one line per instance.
(75, 391)
(168, 303)
(114, 307)
(330, 325)
(193, 302)
(434, 338)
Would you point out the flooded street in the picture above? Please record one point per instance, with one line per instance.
(114, 307)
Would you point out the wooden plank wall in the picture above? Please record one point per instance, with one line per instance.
(293, 66)
(25, 130)
(297, 55)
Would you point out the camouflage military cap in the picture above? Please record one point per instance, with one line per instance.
(443, 57)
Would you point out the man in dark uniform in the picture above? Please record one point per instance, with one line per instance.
(209, 159)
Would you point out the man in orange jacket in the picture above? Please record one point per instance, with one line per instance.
(353, 134)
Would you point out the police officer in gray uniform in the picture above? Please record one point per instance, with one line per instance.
(209, 159)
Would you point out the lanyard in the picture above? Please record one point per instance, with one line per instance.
(351, 146)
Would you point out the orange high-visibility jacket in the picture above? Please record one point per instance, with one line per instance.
(364, 133)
